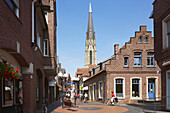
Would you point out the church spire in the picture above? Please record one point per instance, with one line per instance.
(90, 9)
(90, 49)
(90, 29)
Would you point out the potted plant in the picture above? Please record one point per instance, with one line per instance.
(7, 71)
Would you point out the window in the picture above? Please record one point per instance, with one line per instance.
(140, 39)
(119, 88)
(39, 40)
(14, 5)
(126, 61)
(79, 75)
(137, 59)
(90, 57)
(135, 87)
(46, 47)
(46, 18)
(93, 71)
(8, 92)
(168, 33)
(150, 59)
(101, 66)
(100, 90)
(146, 40)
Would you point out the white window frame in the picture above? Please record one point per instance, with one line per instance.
(140, 88)
(100, 97)
(94, 90)
(137, 56)
(164, 32)
(127, 62)
(47, 47)
(123, 87)
(90, 89)
(150, 59)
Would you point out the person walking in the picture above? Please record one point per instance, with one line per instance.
(85, 97)
(75, 98)
(68, 96)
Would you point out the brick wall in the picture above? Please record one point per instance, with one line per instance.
(161, 10)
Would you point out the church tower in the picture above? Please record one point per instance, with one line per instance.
(90, 52)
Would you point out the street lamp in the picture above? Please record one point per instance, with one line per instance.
(61, 78)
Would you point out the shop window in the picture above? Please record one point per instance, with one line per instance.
(135, 87)
(137, 59)
(119, 88)
(126, 62)
(14, 5)
(8, 92)
(150, 59)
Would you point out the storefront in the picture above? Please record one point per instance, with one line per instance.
(11, 91)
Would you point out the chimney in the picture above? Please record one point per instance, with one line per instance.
(116, 48)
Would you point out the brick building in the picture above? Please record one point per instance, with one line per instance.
(161, 17)
(131, 73)
(28, 42)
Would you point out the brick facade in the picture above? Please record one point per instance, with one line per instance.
(115, 70)
(160, 15)
(17, 46)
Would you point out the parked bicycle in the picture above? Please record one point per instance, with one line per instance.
(44, 106)
(18, 107)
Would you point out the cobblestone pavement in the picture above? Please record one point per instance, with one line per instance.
(90, 107)
(96, 107)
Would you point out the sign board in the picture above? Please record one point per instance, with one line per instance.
(51, 83)
(70, 83)
(80, 88)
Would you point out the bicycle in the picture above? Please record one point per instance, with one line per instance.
(18, 108)
(115, 102)
(44, 106)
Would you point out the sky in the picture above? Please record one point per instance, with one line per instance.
(115, 21)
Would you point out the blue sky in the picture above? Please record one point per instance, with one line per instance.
(115, 21)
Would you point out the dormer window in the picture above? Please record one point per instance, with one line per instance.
(93, 71)
(101, 66)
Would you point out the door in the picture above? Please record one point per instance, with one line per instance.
(151, 90)
(168, 90)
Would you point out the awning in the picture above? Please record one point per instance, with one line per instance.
(85, 88)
